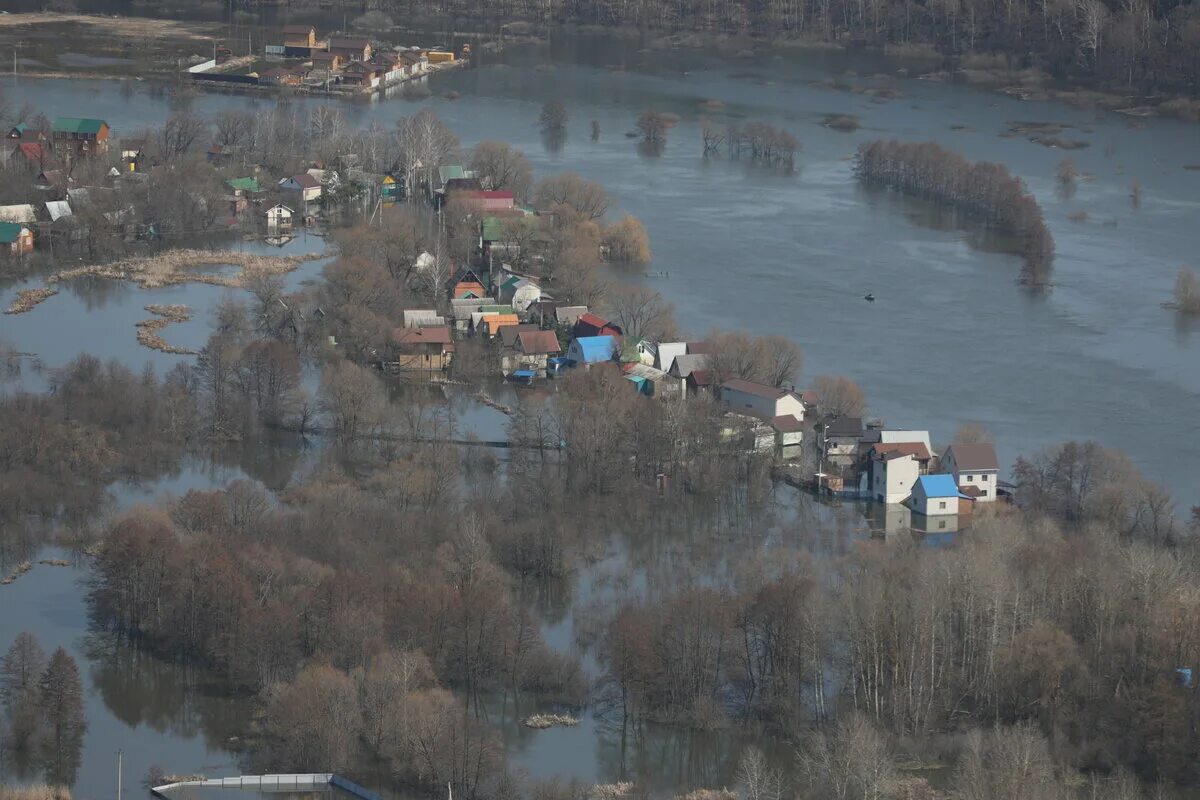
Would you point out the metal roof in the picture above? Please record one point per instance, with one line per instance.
(78, 125)
(10, 232)
(596, 348)
(938, 485)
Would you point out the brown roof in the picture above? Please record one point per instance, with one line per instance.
(537, 343)
(899, 449)
(968, 456)
(700, 377)
(756, 389)
(787, 423)
(435, 334)
(306, 181)
(508, 333)
(971, 491)
(321, 55)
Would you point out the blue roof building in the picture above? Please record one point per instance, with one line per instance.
(592, 350)
(934, 495)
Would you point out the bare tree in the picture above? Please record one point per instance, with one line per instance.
(840, 396)
(586, 197)
(502, 166)
(641, 312)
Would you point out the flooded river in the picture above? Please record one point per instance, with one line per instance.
(952, 337)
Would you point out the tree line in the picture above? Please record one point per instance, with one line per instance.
(981, 190)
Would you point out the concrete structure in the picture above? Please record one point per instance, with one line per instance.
(761, 400)
(975, 469)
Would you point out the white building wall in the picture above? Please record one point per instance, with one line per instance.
(744, 401)
(667, 351)
(984, 479)
(892, 481)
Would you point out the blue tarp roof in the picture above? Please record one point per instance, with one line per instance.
(523, 373)
(938, 485)
(597, 348)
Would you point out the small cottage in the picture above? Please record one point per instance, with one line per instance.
(279, 217)
(430, 348)
(533, 349)
(892, 470)
(15, 239)
(588, 350)
(78, 136)
(300, 38)
(590, 325)
(975, 469)
(308, 187)
(351, 48)
(937, 495)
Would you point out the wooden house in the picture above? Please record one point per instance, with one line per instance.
(15, 239)
(77, 136)
(356, 48)
(466, 284)
(428, 348)
(298, 37)
(591, 325)
(308, 187)
(279, 217)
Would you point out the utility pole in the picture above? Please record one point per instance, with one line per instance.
(120, 767)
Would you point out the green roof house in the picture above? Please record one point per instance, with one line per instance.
(245, 185)
(78, 135)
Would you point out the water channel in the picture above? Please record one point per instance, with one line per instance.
(952, 337)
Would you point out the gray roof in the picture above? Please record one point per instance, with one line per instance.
(57, 209)
(569, 315)
(687, 364)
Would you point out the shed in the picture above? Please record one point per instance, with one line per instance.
(15, 238)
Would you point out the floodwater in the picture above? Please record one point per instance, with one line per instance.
(953, 336)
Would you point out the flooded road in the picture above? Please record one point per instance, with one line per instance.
(1095, 357)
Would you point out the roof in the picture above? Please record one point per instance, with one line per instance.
(434, 334)
(509, 333)
(450, 172)
(844, 426)
(280, 205)
(787, 423)
(57, 209)
(938, 485)
(971, 455)
(322, 55)
(493, 228)
(569, 314)
(20, 213)
(588, 318)
(492, 323)
(645, 372)
(890, 450)
(34, 152)
(304, 181)
(78, 125)
(10, 232)
(700, 377)
(687, 364)
(596, 348)
(244, 184)
(756, 389)
(537, 343)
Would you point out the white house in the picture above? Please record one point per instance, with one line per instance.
(524, 294)
(761, 400)
(936, 495)
(975, 469)
(891, 477)
(279, 216)
(789, 435)
(898, 437)
(304, 184)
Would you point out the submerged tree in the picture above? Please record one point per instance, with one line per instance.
(62, 707)
(1187, 291)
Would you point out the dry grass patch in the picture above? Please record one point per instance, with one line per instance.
(174, 267)
(36, 792)
(148, 329)
(14, 573)
(26, 299)
(610, 791)
(543, 721)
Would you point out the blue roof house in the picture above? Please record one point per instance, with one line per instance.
(936, 495)
(592, 350)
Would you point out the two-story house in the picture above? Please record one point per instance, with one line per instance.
(975, 469)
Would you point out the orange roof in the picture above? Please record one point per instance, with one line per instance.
(463, 288)
(493, 322)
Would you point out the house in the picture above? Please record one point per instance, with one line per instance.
(439, 56)
(684, 366)
(244, 186)
(430, 348)
(541, 310)
(841, 436)
(356, 73)
(520, 292)
(466, 284)
(975, 469)
(449, 172)
(535, 348)
(279, 216)
(667, 353)
(15, 238)
(422, 317)
(79, 136)
(51, 179)
(462, 309)
(590, 325)
(489, 200)
(280, 76)
(892, 469)
(480, 312)
(761, 400)
(937, 495)
(391, 189)
(789, 435)
(20, 131)
(588, 350)
(646, 352)
(492, 323)
(569, 315)
(699, 381)
(58, 209)
(299, 37)
(509, 333)
(356, 48)
(308, 187)
(324, 63)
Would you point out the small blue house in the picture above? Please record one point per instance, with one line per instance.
(936, 495)
(592, 350)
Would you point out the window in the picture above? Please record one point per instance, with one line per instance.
(942, 504)
(983, 478)
(970, 478)
(942, 523)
